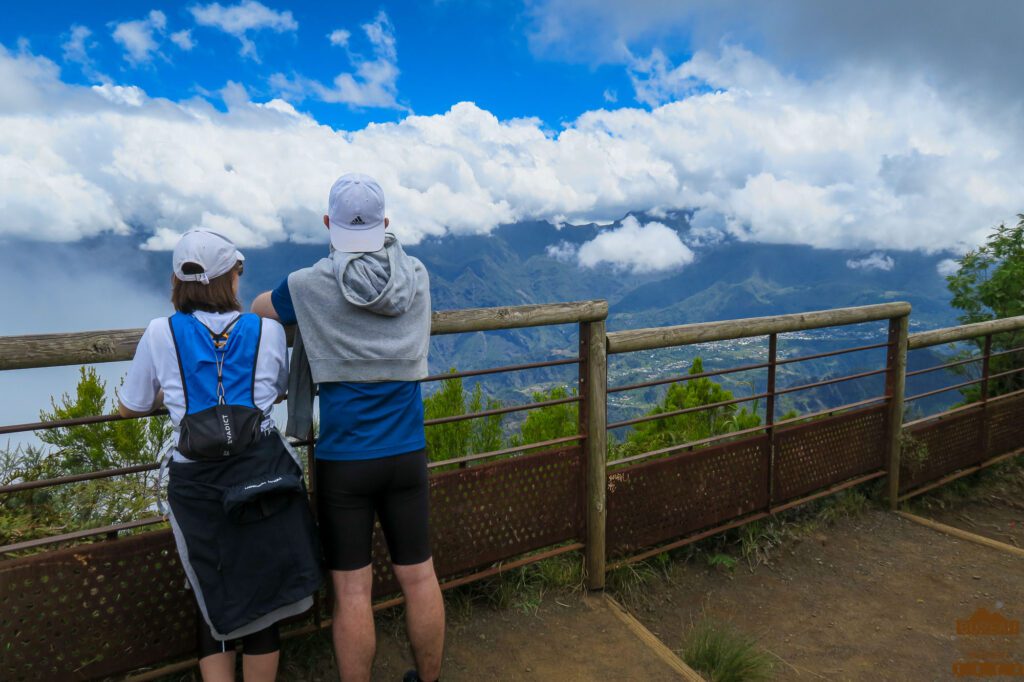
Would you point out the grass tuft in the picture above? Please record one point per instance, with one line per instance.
(628, 583)
(523, 588)
(722, 654)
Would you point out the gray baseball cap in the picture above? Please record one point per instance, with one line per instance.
(355, 210)
(211, 251)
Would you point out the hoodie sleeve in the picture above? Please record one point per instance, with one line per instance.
(300, 392)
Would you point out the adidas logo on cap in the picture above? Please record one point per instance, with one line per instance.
(358, 220)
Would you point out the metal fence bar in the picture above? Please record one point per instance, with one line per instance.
(73, 421)
(499, 370)
(828, 382)
(831, 411)
(1018, 349)
(688, 377)
(946, 365)
(685, 410)
(77, 478)
(500, 410)
(831, 353)
(918, 396)
(685, 446)
(1008, 372)
(80, 534)
(506, 451)
(942, 415)
(741, 368)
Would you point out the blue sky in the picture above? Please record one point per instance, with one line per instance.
(447, 52)
(878, 125)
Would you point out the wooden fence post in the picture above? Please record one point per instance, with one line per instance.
(594, 381)
(896, 382)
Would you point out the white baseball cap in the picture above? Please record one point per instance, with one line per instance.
(211, 251)
(355, 213)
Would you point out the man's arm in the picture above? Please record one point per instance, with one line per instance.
(263, 306)
(276, 304)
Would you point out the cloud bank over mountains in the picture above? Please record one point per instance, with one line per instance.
(856, 159)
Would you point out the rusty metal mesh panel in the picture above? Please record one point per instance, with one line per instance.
(106, 608)
(824, 452)
(1005, 421)
(499, 510)
(951, 443)
(663, 499)
(94, 610)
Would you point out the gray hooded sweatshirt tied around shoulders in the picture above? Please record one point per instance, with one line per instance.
(362, 317)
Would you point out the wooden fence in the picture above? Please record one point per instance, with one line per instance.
(107, 601)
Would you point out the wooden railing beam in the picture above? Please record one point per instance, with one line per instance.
(118, 345)
(705, 332)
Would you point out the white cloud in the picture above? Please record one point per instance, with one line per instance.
(563, 252)
(947, 267)
(763, 157)
(183, 39)
(139, 37)
(957, 49)
(239, 20)
(121, 94)
(339, 37)
(58, 288)
(703, 236)
(876, 261)
(610, 96)
(637, 248)
(74, 48)
(374, 82)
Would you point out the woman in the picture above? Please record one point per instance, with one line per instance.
(238, 504)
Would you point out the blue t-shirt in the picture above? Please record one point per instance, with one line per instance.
(362, 420)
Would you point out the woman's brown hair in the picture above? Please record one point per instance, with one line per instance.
(216, 297)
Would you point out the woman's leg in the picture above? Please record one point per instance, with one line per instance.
(216, 658)
(260, 667)
(261, 652)
(218, 667)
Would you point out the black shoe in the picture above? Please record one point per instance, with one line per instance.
(412, 676)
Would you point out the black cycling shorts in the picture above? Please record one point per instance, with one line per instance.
(266, 641)
(350, 492)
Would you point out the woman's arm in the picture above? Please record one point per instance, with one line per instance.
(140, 393)
(127, 412)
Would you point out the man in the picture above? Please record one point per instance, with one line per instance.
(364, 318)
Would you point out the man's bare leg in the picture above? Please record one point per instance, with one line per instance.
(424, 616)
(355, 641)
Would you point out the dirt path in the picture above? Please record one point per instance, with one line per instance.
(570, 638)
(997, 518)
(872, 598)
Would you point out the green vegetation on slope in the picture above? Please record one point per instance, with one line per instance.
(90, 504)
